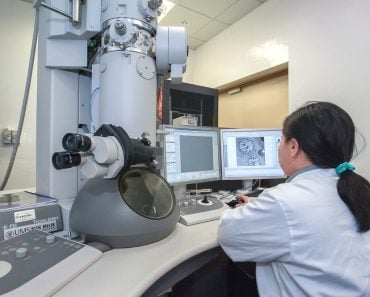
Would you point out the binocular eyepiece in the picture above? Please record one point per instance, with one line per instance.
(63, 160)
(134, 151)
(73, 142)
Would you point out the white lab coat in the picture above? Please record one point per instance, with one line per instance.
(303, 238)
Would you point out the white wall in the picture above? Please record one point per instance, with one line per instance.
(16, 23)
(256, 42)
(329, 59)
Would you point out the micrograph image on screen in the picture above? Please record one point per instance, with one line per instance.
(250, 151)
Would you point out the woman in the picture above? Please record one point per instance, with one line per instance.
(309, 236)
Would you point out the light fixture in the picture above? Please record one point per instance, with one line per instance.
(234, 91)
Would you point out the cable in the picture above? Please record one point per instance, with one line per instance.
(92, 97)
(25, 101)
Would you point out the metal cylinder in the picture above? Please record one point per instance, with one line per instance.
(128, 92)
(128, 77)
(129, 9)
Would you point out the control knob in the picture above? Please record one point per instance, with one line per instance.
(21, 252)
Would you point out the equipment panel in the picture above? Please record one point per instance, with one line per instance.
(37, 263)
(200, 209)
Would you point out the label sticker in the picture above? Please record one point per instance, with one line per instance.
(47, 226)
(24, 215)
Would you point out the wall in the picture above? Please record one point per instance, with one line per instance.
(258, 105)
(329, 57)
(255, 43)
(16, 22)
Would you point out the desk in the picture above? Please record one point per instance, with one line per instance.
(130, 272)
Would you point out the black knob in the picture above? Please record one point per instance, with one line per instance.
(205, 199)
(146, 141)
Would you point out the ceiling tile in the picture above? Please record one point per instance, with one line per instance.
(194, 43)
(238, 10)
(194, 21)
(210, 8)
(209, 30)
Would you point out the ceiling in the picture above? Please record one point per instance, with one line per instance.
(204, 19)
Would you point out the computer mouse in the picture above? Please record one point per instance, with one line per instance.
(233, 203)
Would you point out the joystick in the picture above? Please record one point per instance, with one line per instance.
(205, 199)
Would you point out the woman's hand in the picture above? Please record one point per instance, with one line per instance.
(242, 200)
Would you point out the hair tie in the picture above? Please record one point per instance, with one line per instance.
(344, 167)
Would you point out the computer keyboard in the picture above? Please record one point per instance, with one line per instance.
(200, 209)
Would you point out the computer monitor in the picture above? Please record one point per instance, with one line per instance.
(250, 154)
(191, 154)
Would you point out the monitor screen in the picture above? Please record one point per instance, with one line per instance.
(191, 154)
(250, 154)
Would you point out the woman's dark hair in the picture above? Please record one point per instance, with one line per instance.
(326, 133)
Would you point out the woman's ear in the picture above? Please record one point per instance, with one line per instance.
(293, 148)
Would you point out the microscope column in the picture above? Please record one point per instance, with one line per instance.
(128, 76)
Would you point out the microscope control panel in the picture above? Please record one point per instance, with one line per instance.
(37, 263)
(199, 209)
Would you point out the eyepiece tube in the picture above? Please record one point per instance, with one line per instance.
(63, 160)
(143, 153)
(73, 142)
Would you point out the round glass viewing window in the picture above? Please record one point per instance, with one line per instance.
(147, 193)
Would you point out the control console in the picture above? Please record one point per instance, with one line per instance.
(37, 263)
(199, 209)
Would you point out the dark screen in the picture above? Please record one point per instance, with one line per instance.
(196, 153)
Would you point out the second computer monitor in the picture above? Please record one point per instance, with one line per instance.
(250, 154)
(191, 154)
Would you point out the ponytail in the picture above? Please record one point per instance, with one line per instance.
(354, 190)
(326, 133)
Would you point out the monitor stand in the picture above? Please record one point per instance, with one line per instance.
(247, 186)
(180, 191)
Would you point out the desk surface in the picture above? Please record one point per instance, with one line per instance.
(129, 272)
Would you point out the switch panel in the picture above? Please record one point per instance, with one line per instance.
(8, 136)
(37, 263)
